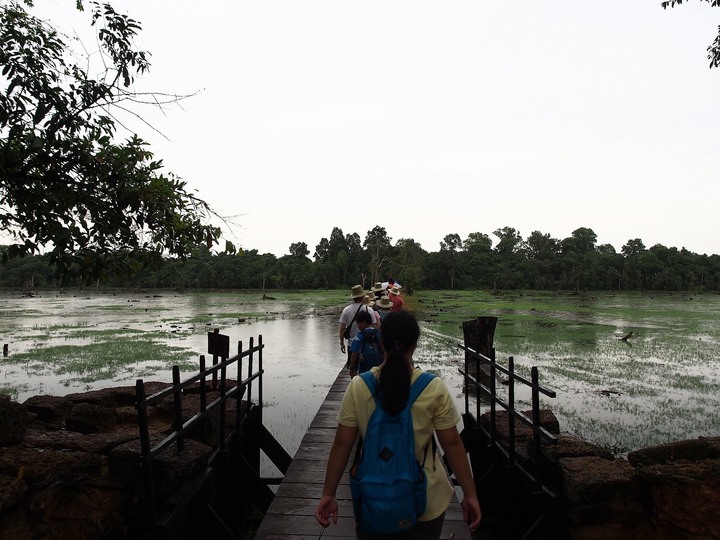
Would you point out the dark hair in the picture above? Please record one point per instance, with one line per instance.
(399, 332)
(364, 316)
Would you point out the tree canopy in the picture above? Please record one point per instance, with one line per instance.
(714, 48)
(538, 261)
(68, 185)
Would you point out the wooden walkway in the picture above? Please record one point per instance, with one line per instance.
(292, 512)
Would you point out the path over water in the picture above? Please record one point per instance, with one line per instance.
(292, 513)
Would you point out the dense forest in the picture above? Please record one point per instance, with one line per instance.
(575, 263)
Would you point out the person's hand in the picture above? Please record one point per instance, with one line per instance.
(471, 511)
(353, 373)
(327, 508)
(342, 346)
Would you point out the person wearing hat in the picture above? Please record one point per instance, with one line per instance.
(369, 301)
(396, 299)
(347, 318)
(384, 306)
(378, 290)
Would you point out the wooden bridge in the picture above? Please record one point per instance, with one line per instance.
(516, 485)
(292, 512)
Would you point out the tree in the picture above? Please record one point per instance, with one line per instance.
(377, 243)
(66, 183)
(714, 48)
(509, 240)
(407, 263)
(478, 242)
(449, 246)
(299, 250)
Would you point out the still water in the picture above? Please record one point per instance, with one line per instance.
(662, 384)
(66, 343)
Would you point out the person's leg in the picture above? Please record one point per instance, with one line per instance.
(424, 530)
(427, 530)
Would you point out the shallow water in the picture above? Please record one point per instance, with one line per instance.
(660, 385)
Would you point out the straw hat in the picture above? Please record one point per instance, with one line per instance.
(368, 300)
(395, 291)
(357, 292)
(384, 303)
(377, 287)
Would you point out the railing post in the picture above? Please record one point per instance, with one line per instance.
(238, 408)
(177, 405)
(511, 409)
(466, 387)
(223, 389)
(215, 361)
(493, 395)
(250, 385)
(203, 400)
(260, 379)
(145, 457)
(534, 377)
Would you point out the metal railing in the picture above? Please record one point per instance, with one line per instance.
(485, 440)
(244, 439)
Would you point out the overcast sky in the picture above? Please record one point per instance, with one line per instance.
(437, 117)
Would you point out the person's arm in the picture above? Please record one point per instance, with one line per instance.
(354, 359)
(338, 459)
(454, 450)
(342, 337)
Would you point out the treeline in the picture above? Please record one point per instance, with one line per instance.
(538, 261)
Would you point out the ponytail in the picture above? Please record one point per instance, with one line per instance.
(400, 331)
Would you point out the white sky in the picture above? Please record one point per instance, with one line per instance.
(437, 117)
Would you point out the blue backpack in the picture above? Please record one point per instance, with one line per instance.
(370, 355)
(389, 486)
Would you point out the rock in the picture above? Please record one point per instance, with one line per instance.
(40, 468)
(119, 396)
(12, 491)
(13, 417)
(693, 449)
(89, 418)
(597, 490)
(53, 411)
(685, 496)
(171, 468)
(570, 446)
(72, 440)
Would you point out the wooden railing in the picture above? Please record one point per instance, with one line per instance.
(519, 482)
(236, 475)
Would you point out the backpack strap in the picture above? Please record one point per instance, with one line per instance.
(418, 386)
(371, 382)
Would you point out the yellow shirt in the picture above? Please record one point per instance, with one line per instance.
(434, 409)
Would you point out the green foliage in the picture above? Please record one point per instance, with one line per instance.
(66, 184)
(538, 262)
(714, 48)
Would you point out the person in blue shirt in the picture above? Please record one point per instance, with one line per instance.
(365, 349)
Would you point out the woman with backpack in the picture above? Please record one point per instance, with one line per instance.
(388, 390)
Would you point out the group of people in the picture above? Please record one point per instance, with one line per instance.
(433, 412)
(354, 327)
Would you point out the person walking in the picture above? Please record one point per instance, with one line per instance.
(384, 307)
(365, 349)
(396, 299)
(433, 413)
(348, 325)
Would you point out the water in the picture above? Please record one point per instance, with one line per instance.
(661, 385)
